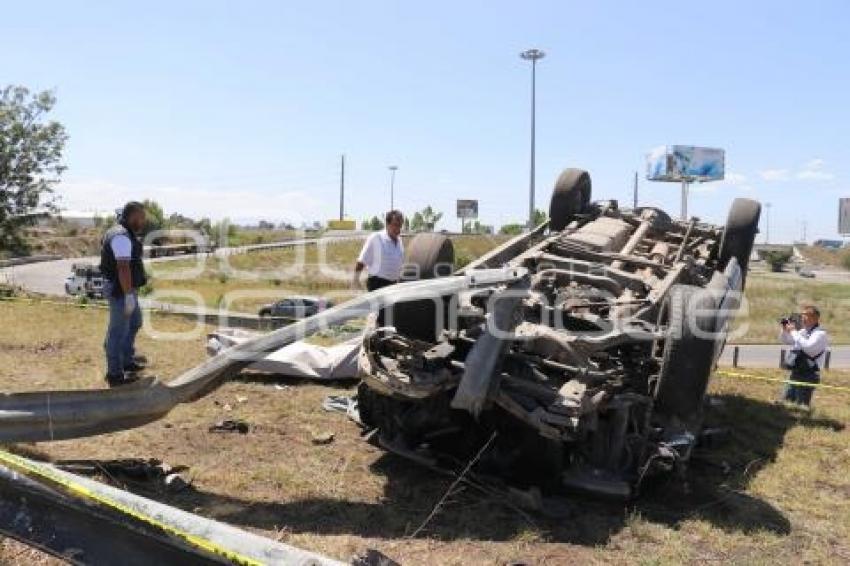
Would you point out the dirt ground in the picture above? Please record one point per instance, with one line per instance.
(777, 491)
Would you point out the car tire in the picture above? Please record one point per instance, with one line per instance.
(429, 255)
(740, 233)
(571, 196)
(689, 313)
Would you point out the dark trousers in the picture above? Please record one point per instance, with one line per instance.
(374, 283)
(801, 394)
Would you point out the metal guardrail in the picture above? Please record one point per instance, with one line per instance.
(12, 262)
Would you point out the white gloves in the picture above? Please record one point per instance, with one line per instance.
(130, 304)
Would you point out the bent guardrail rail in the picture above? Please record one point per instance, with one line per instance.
(57, 415)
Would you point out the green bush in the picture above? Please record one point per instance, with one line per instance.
(777, 259)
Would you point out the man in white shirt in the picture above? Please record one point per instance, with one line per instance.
(382, 255)
(809, 344)
(121, 264)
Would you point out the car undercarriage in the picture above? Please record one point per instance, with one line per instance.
(590, 370)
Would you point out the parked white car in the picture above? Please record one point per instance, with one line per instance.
(85, 279)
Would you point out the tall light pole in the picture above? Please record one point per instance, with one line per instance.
(532, 55)
(393, 169)
(342, 187)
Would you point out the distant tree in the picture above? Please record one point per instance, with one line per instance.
(417, 223)
(177, 220)
(30, 161)
(406, 225)
(375, 224)
(479, 228)
(265, 225)
(511, 229)
(777, 259)
(223, 231)
(430, 217)
(424, 220)
(539, 217)
(154, 217)
(203, 225)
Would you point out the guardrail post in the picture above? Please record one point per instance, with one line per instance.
(826, 360)
(735, 353)
(781, 356)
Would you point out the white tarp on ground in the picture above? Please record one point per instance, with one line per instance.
(299, 359)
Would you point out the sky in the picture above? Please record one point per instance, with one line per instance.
(242, 109)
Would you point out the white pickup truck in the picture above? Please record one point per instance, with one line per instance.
(85, 279)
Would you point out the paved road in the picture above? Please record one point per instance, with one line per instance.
(48, 277)
(767, 356)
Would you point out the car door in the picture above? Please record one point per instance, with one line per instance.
(282, 308)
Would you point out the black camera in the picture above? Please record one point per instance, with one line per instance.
(794, 318)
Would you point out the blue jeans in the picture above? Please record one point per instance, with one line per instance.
(120, 342)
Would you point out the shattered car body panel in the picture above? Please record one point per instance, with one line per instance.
(591, 370)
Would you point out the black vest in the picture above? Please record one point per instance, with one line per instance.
(109, 266)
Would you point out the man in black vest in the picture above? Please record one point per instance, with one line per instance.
(124, 274)
(808, 350)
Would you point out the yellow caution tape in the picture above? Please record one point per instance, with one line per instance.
(22, 464)
(785, 381)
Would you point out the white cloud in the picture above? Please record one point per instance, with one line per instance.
(237, 204)
(774, 174)
(813, 171)
(735, 178)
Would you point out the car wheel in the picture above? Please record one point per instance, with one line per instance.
(740, 233)
(688, 312)
(571, 196)
(428, 256)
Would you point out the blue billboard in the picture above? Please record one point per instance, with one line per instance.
(685, 163)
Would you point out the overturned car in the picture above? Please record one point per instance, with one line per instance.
(588, 371)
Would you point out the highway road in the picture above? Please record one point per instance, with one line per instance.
(767, 356)
(48, 277)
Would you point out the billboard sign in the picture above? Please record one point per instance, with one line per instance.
(467, 209)
(685, 163)
(844, 216)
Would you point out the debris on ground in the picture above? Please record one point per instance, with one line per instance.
(345, 404)
(231, 425)
(373, 557)
(299, 359)
(325, 437)
(130, 470)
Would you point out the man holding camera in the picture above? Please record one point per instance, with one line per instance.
(808, 348)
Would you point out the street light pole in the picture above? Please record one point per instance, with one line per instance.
(532, 55)
(393, 169)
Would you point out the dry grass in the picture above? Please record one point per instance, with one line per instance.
(244, 282)
(777, 492)
(827, 257)
(769, 298)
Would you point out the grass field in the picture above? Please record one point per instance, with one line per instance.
(770, 297)
(244, 282)
(777, 492)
